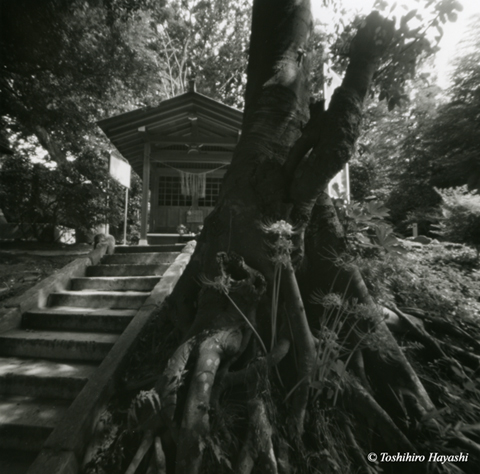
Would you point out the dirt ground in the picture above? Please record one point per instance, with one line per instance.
(24, 264)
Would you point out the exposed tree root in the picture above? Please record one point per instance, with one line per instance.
(369, 398)
(250, 374)
(443, 326)
(171, 379)
(467, 443)
(159, 456)
(157, 461)
(404, 376)
(436, 348)
(357, 365)
(258, 449)
(384, 396)
(416, 327)
(141, 452)
(304, 345)
(195, 420)
(465, 357)
(443, 350)
(365, 407)
(357, 452)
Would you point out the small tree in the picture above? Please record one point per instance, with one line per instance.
(442, 149)
(460, 219)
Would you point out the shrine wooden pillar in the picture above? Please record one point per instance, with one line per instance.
(145, 193)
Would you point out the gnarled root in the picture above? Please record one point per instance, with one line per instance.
(403, 376)
(157, 462)
(196, 417)
(304, 345)
(171, 379)
(366, 407)
(417, 329)
(250, 374)
(258, 448)
(443, 326)
(141, 452)
(438, 349)
(355, 450)
(210, 350)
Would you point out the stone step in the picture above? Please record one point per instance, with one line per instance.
(162, 239)
(58, 345)
(99, 299)
(26, 422)
(174, 247)
(136, 283)
(13, 461)
(140, 258)
(43, 378)
(68, 318)
(126, 270)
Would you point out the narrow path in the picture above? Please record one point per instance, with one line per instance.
(45, 363)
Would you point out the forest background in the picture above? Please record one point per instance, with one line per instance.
(72, 63)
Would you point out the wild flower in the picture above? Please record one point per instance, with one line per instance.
(282, 248)
(144, 400)
(280, 228)
(221, 283)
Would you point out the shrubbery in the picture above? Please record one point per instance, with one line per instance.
(460, 216)
(366, 226)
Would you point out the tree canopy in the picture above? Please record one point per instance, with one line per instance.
(65, 65)
(430, 142)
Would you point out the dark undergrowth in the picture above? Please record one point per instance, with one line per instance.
(440, 285)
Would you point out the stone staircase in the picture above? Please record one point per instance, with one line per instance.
(45, 363)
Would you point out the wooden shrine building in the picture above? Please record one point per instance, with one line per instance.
(181, 150)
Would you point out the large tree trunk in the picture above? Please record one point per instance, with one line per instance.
(244, 305)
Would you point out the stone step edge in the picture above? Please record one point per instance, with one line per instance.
(37, 296)
(82, 311)
(26, 421)
(160, 248)
(120, 277)
(100, 293)
(26, 376)
(100, 320)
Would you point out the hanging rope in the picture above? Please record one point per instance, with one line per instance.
(193, 184)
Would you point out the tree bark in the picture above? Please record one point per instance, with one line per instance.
(50, 145)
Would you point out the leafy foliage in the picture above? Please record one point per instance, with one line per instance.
(203, 39)
(385, 164)
(441, 279)
(77, 195)
(440, 149)
(438, 283)
(460, 219)
(366, 226)
(63, 65)
(417, 34)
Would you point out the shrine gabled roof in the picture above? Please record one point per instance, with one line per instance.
(169, 127)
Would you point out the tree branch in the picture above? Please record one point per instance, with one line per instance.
(341, 124)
